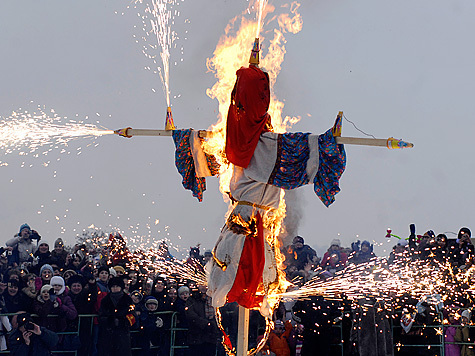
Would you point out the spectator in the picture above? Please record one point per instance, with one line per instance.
(153, 327)
(363, 255)
(14, 299)
(278, 338)
(451, 349)
(23, 246)
(116, 316)
(58, 255)
(30, 289)
(27, 338)
(464, 249)
(463, 335)
(135, 282)
(399, 252)
(203, 331)
(334, 249)
(299, 254)
(43, 256)
(46, 273)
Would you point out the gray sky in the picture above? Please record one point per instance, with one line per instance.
(402, 69)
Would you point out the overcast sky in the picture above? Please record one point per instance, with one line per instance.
(404, 69)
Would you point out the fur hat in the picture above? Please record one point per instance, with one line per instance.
(57, 280)
(116, 281)
(76, 278)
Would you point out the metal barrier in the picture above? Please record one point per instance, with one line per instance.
(84, 318)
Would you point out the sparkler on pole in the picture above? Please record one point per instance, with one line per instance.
(390, 143)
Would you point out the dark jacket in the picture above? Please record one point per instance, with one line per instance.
(40, 345)
(202, 330)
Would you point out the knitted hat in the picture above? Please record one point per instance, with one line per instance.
(116, 281)
(464, 230)
(183, 289)
(24, 226)
(336, 242)
(46, 266)
(59, 242)
(151, 300)
(46, 287)
(466, 313)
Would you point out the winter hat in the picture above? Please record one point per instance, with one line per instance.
(46, 287)
(112, 272)
(103, 268)
(402, 243)
(466, 313)
(336, 242)
(297, 239)
(119, 269)
(116, 281)
(59, 242)
(57, 280)
(137, 294)
(76, 278)
(183, 289)
(151, 300)
(46, 266)
(464, 230)
(24, 226)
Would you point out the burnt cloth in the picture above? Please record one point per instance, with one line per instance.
(247, 114)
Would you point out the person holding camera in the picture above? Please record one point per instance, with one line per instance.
(27, 338)
(23, 246)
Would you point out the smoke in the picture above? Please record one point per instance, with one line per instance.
(294, 214)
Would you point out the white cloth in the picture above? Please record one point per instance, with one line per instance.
(4, 326)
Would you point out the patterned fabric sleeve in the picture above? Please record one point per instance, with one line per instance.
(331, 166)
(292, 156)
(185, 165)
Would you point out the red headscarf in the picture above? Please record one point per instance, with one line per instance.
(247, 115)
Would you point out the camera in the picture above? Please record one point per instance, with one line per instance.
(29, 326)
(35, 236)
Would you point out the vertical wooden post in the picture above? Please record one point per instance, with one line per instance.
(243, 332)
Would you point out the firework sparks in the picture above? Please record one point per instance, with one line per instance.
(30, 132)
(157, 22)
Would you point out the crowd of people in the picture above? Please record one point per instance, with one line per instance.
(118, 305)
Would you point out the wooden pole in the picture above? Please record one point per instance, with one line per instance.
(243, 332)
(129, 132)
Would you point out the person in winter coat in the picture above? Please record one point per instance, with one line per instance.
(23, 246)
(84, 296)
(27, 338)
(153, 328)
(335, 248)
(277, 341)
(203, 331)
(44, 306)
(116, 316)
(46, 273)
(462, 335)
(30, 290)
(450, 332)
(15, 300)
(363, 254)
(43, 256)
(59, 254)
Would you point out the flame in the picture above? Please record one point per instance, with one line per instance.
(231, 53)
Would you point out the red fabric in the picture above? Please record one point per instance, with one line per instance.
(247, 114)
(249, 273)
